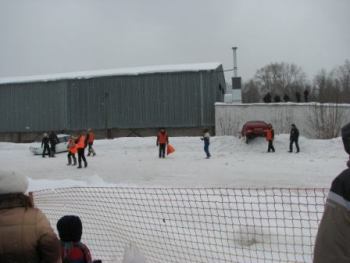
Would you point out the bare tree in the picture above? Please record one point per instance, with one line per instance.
(326, 120)
(326, 87)
(290, 80)
(250, 92)
(342, 79)
(280, 78)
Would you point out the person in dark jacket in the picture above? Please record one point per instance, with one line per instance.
(162, 141)
(45, 143)
(333, 236)
(270, 135)
(70, 230)
(53, 141)
(25, 231)
(294, 137)
(206, 139)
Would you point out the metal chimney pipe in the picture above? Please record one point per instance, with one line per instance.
(235, 73)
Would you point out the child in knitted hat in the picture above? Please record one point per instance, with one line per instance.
(72, 250)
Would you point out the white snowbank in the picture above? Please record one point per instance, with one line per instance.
(94, 180)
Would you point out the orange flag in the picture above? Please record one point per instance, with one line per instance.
(170, 149)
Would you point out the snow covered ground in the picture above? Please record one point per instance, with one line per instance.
(134, 162)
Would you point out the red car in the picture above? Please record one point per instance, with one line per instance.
(252, 129)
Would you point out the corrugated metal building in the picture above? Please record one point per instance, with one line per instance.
(181, 97)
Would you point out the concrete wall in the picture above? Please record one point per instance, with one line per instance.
(312, 119)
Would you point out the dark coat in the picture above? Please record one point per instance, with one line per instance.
(53, 138)
(345, 132)
(44, 141)
(294, 134)
(333, 237)
(206, 138)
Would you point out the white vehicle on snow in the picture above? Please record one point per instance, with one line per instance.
(37, 149)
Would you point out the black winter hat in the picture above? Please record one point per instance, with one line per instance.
(70, 228)
(345, 134)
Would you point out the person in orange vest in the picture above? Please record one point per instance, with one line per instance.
(270, 134)
(162, 141)
(72, 150)
(90, 141)
(81, 145)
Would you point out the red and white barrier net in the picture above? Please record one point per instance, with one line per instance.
(193, 224)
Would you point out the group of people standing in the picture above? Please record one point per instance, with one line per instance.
(293, 138)
(78, 145)
(49, 142)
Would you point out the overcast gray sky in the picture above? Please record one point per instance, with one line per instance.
(44, 36)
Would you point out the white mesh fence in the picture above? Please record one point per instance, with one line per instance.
(193, 224)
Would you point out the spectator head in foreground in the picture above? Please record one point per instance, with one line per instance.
(70, 230)
(24, 230)
(345, 134)
(12, 183)
(333, 237)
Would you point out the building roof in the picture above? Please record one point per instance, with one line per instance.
(114, 72)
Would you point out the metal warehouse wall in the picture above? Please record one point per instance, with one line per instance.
(178, 99)
(32, 107)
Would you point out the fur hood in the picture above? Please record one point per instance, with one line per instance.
(11, 182)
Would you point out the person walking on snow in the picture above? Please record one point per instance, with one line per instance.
(81, 149)
(53, 141)
(45, 143)
(90, 141)
(333, 236)
(162, 141)
(72, 150)
(294, 137)
(206, 139)
(270, 135)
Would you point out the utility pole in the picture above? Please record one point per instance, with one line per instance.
(105, 100)
(236, 81)
(235, 73)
